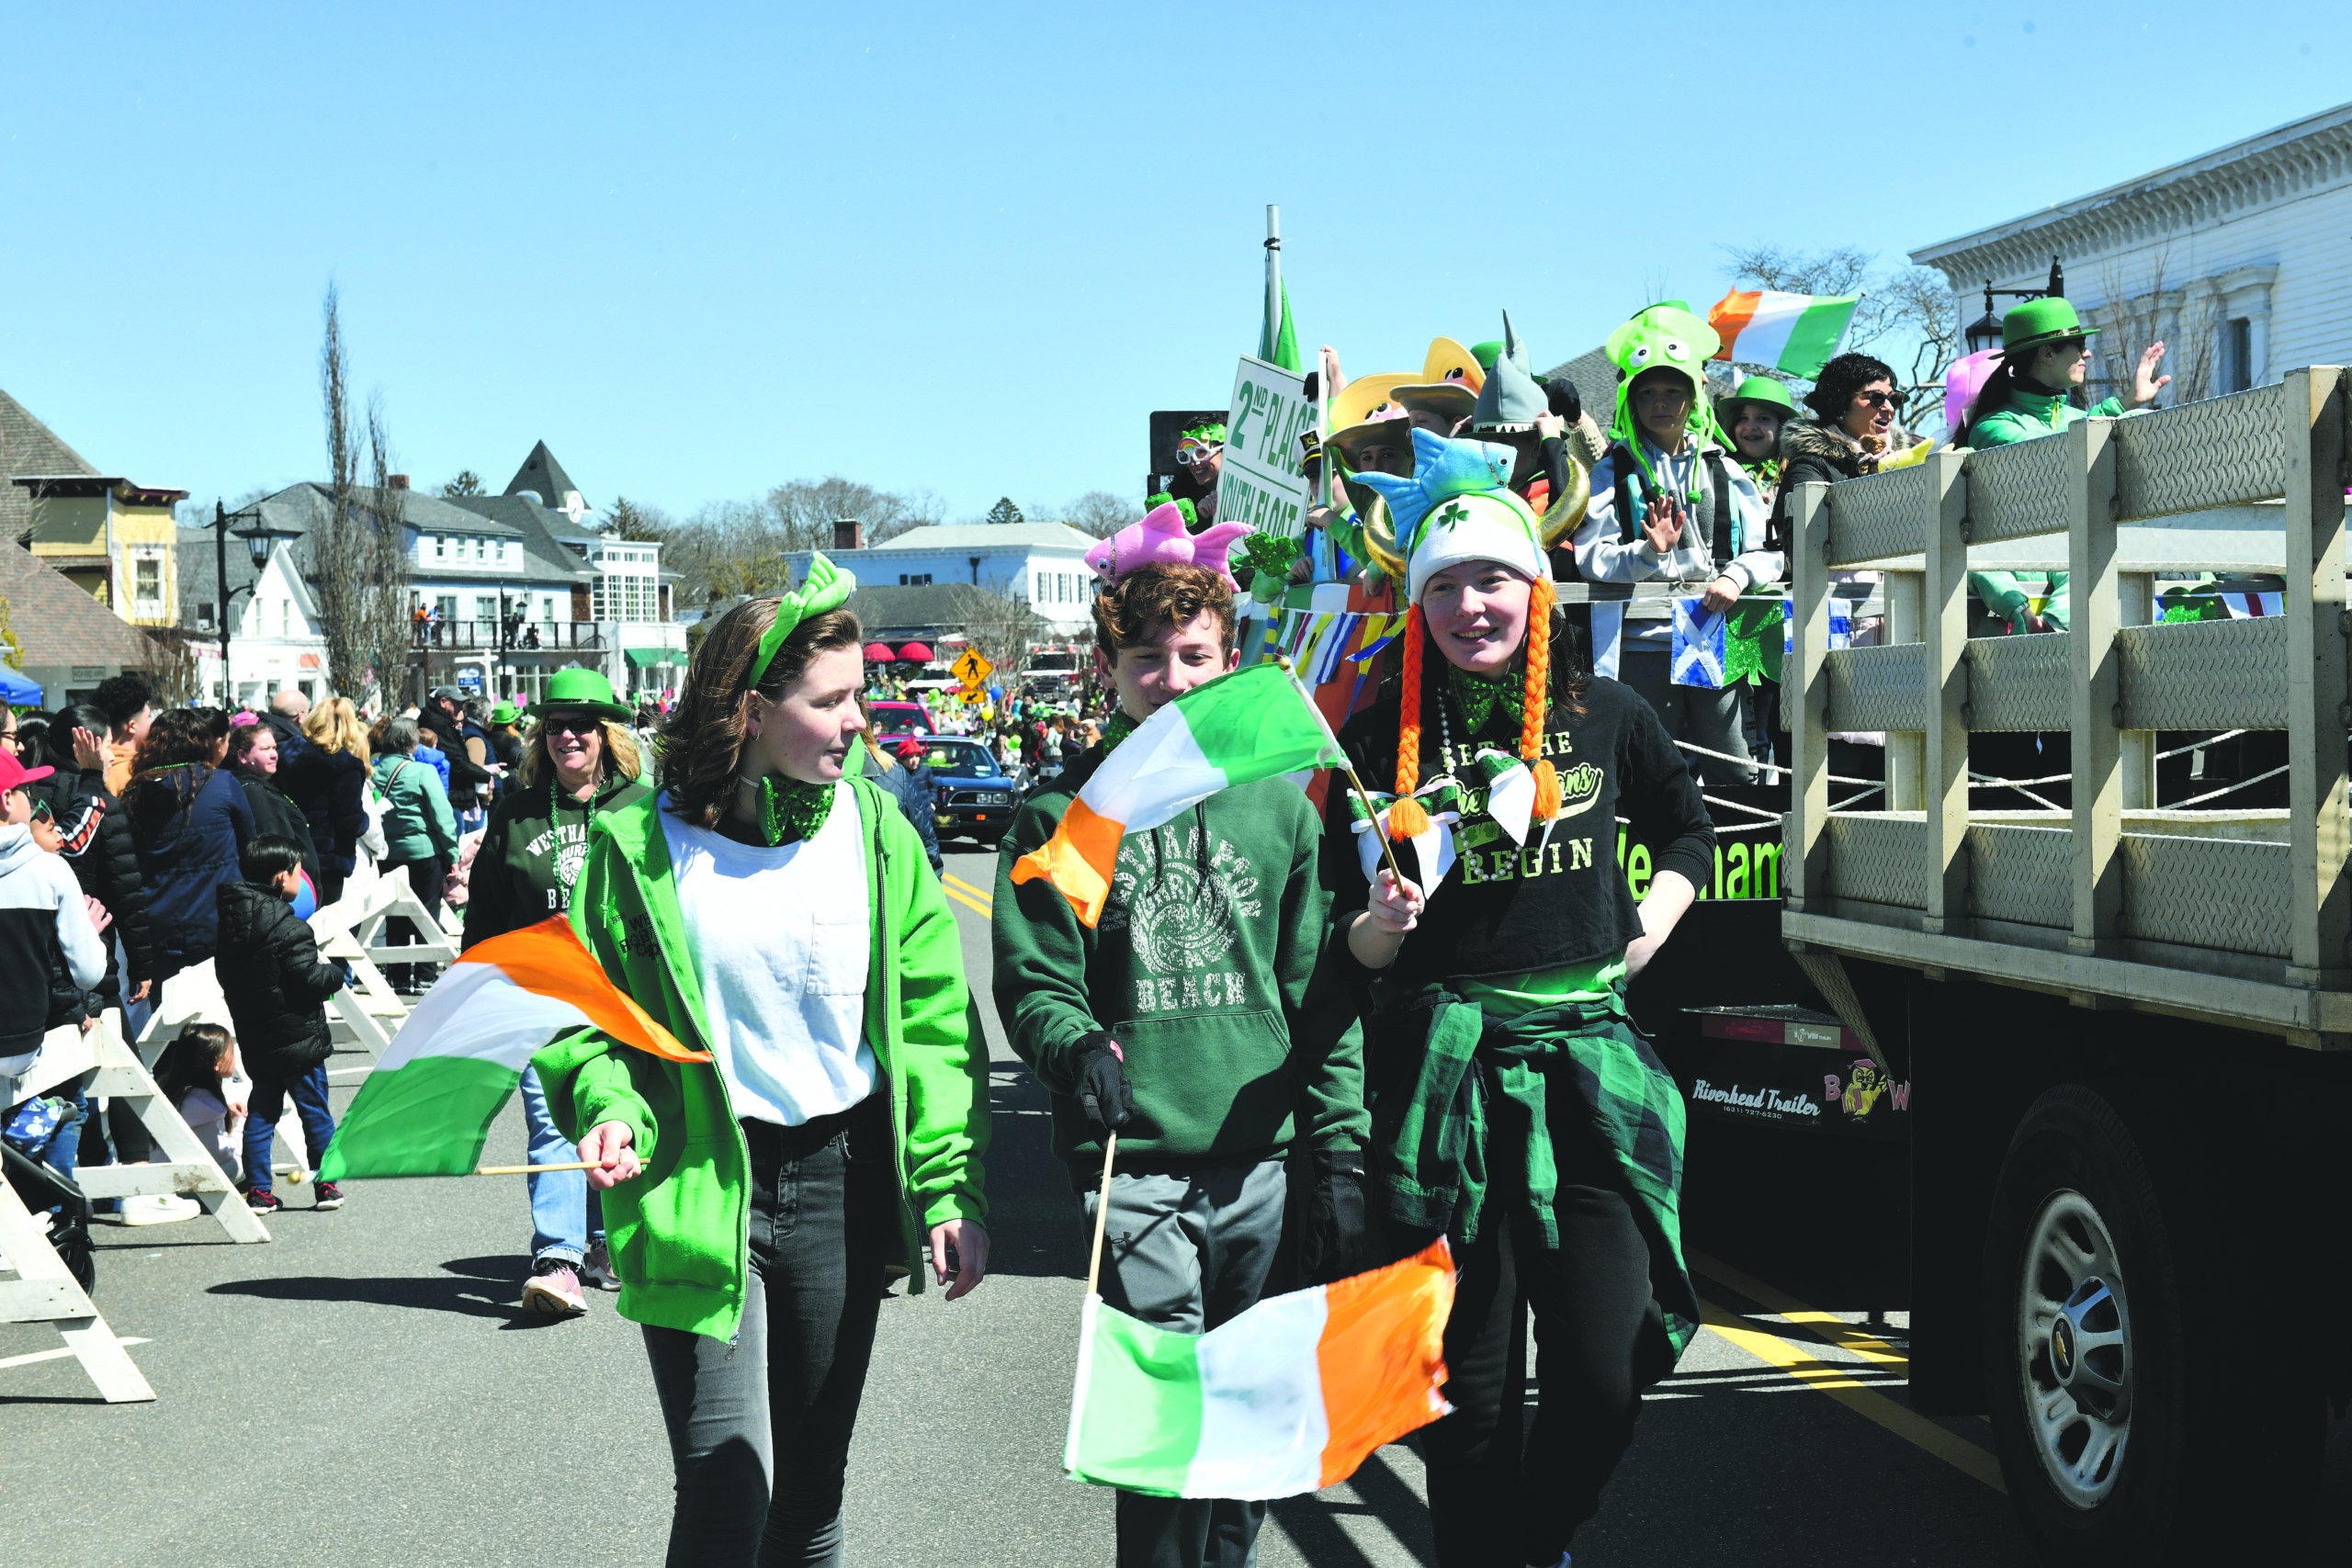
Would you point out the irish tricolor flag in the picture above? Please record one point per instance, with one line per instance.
(1794, 333)
(1287, 1397)
(1253, 724)
(428, 1105)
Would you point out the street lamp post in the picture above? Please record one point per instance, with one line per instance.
(1986, 332)
(260, 539)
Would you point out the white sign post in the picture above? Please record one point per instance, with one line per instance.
(1261, 482)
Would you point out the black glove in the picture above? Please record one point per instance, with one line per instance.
(1331, 1247)
(1104, 1096)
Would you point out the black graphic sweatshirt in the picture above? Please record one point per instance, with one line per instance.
(1200, 969)
(1508, 908)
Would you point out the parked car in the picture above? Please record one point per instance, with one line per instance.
(977, 795)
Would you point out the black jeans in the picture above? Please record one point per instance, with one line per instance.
(426, 879)
(760, 1430)
(1503, 1494)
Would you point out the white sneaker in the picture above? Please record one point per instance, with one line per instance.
(159, 1209)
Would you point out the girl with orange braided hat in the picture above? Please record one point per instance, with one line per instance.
(1515, 1109)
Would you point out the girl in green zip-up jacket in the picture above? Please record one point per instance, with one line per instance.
(769, 912)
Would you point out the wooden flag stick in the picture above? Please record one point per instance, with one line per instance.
(1102, 1213)
(537, 1169)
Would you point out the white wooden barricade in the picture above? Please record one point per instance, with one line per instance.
(43, 1291)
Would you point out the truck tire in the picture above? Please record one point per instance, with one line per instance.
(2130, 1422)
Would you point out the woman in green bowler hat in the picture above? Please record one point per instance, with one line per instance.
(2045, 355)
(769, 910)
(580, 760)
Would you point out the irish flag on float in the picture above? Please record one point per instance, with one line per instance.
(1253, 724)
(1794, 333)
(428, 1105)
(1287, 1397)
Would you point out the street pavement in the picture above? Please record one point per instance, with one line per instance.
(363, 1391)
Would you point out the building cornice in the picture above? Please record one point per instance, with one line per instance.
(2280, 165)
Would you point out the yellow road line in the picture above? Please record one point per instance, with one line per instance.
(1829, 1325)
(978, 908)
(969, 894)
(1836, 1380)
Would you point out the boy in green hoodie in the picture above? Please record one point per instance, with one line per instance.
(1182, 1022)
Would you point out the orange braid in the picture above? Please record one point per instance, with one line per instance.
(1539, 677)
(1408, 818)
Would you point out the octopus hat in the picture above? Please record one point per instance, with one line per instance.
(1456, 508)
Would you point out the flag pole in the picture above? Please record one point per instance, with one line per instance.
(537, 1169)
(1345, 766)
(1102, 1214)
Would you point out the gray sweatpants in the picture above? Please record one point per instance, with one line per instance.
(1186, 1251)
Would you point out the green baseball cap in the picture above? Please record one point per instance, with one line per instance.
(577, 688)
(2041, 321)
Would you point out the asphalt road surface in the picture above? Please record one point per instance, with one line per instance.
(363, 1391)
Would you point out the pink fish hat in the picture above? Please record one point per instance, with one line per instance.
(1161, 536)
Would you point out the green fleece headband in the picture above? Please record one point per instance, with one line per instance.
(825, 589)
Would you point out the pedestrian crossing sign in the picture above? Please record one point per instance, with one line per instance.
(972, 669)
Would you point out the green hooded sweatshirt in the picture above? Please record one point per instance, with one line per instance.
(1201, 970)
(531, 854)
(679, 1230)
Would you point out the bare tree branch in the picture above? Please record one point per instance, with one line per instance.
(385, 598)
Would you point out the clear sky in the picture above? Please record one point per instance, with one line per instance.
(704, 249)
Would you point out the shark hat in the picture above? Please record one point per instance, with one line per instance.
(1513, 397)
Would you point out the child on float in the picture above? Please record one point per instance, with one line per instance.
(1515, 1109)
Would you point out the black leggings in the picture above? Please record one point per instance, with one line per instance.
(760, 1430)
(1503, 1493)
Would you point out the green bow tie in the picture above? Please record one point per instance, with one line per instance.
(793, 811)
(1478, 695)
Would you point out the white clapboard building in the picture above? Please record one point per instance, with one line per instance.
(2239, 259)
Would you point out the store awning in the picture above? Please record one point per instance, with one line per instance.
(879, 653)
(647, 658)
(916, 652)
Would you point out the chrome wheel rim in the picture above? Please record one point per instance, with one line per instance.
(2073, 1349)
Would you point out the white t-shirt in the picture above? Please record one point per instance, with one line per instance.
(782, 943)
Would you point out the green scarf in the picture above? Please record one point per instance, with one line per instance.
(793, 811)
(1118, 729)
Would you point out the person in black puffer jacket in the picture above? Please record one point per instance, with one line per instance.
(254, 761)
(276, 985)
(190, 821)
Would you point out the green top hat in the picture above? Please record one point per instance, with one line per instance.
(2041, 321)
(504, 713)
(578, 688)
(1758, 390)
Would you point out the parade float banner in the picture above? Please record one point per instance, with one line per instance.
(1286, 1398)
(1253, 724)
(1262, 483)
(428, 1105)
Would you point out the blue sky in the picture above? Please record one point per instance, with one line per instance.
(701, 250)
